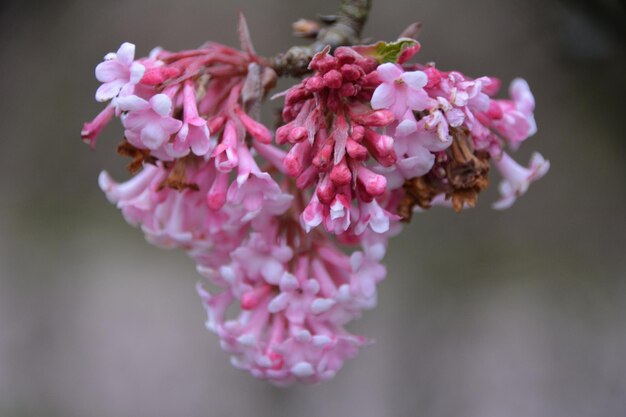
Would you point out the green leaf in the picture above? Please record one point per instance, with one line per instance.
(386, 51)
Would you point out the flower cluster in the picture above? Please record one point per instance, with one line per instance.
(290, 228)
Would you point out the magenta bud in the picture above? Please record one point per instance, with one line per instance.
(357, 133)
(408, 53)
(307, 178)
(216, 197)
(374, 118)
(159, 75)
(256, 129)
(323, 157)
(283, 132)
(348, 90)
(351, 72)
(298, 134)
(368, 64)
(295, 95)
(314, 84)
(340, 174)
(216, 124)
(346, 55)
(326, 190)
(356, 150)
(494, 111)
(374, 184)
(323, 62)
(333, 79)
(296, 158)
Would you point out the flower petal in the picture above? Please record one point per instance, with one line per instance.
(389, 72)
(384, 96)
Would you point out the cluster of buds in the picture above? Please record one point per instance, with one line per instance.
(290, 228)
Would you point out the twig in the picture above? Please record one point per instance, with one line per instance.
(346, 30)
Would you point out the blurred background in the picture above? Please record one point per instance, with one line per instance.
(483, 314)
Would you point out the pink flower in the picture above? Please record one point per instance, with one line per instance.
(255, 190)
(517, 179)
(292, 307)
(400, 91)
(516, 121)
(91, 130)
(148, 124)
(118, 72)
(194, 133)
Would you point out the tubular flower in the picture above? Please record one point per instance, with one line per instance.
(293, 305)
(290, 227)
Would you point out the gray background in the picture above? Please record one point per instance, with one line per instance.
(483, 314)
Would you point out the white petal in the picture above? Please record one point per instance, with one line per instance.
(153, 136)
(389, 72)
(131, 103)
(384, 96)
(162, 104)
(415, 79)
(136, 72)
(302, 369)
(109, 71)
(126, 53)
(108, 90)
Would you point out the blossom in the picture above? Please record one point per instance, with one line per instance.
(149, 124)
(292, 307)
(118, 72)
(194, 132)
(514, 118)
(291, 234)
(400, 90)
(517, 179)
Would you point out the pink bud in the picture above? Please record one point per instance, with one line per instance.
(323, 157)
(340, 174)
(314, 84)
(295, 95)
(408, 53)
(251, 299)
(357, 133)
(256, 129)
(351, 72)
(495, 111)
(323, 62)
(159, 75)
(333, 79)
(326, 190)
(348, 90)
(283, 132)
(91, 130)
(346, 55)
(356, 150)
(297, 134)
(373, 183)
(381, 147)
(307, 178)
(216, 197)
(296, 158)
(216, 124)
(374, 118)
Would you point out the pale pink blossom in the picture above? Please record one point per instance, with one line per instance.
(517, 121)
(149, 124)
(292, 308)
(400, 90)
(194, 133)
(118, 72)
(91, 130)
(516, 179)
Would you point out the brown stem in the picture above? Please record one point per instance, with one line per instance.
(346, 30)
